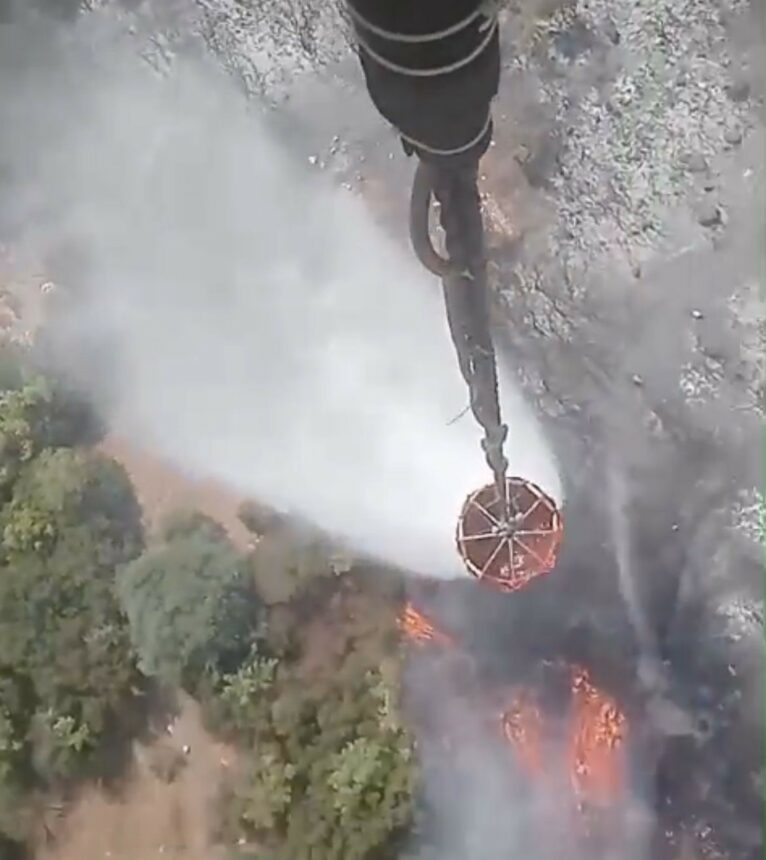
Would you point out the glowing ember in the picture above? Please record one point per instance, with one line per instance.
(417, 628)
(596, 753)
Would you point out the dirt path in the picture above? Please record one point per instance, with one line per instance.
(151, 818)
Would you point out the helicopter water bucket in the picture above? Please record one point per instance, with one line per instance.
(507, 550)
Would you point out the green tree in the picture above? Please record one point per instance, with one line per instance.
(61, 742)
(36, 412)
(72, 520)
(10, 745)
(331, 772)
(68, 521)
(63, 489)
(22, 418)
(188, 603)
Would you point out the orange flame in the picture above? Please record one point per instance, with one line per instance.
(418, 628)
(594, 754)
(599, 729)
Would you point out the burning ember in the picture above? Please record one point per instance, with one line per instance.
(417, 628)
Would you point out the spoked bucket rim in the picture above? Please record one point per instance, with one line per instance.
(509, 559)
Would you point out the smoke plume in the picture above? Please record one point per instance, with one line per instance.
(256, 326)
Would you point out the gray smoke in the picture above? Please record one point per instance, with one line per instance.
(261, 330)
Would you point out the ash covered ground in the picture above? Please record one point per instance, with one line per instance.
(624, 201)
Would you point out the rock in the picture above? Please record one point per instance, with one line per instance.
(697, 315)
(739, 91)
(715, 341)
(574, 41)
(522, 154)
(708, 213)
(733, 135)
(696, 162)
(611, 31)
(537, 168)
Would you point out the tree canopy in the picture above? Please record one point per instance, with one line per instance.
(329, 769)
(36, 412)
(290, 648)
(69, 520)
(188, 600)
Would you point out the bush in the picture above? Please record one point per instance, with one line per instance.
(189, 604)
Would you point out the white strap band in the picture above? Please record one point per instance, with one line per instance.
(418, 39)
(433, 72)
(458, 150)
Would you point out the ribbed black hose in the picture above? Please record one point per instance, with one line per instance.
(442, 116)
